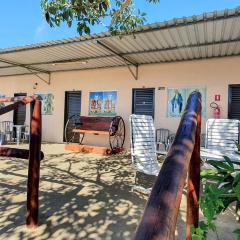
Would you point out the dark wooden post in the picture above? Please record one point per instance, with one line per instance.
(194, 183)
(160, 215)
(34, 164)
(17, 153)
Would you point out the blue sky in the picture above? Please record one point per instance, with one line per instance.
(21, 21)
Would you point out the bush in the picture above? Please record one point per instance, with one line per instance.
(223, 189)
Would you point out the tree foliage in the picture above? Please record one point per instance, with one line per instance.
(119, 16)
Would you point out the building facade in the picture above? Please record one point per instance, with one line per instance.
(149, 72)
(215, 76)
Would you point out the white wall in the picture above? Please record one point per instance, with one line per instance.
(215, 74)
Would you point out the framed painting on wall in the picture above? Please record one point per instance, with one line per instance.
(176, 102)
(177, 99)
(47, 103)
(2, 104)
(103, 103)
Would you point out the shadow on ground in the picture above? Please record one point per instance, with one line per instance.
(82, 196)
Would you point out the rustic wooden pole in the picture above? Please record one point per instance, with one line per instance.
(34, 164)
(194, 184)
(160, 214)
(26, 99)
(13, 106)
(16, 153)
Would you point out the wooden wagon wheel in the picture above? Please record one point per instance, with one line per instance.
(117, 134)
(72, 123)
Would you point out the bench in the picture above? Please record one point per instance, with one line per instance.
(113, 127)
(94, 125)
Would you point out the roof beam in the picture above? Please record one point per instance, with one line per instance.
(26, 66)
(123, 55)
(15, 74)
(156, 62)
(104, 45)
(131, 53)
(124, 58)
(31, 69)
(110, 67)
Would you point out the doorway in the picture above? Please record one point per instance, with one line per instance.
(19, 115)
(143, 101)
(234, 101)
(72, 106)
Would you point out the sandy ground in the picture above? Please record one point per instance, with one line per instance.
(82, 196)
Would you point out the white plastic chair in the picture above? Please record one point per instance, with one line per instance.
(7, 129)
(143, 145)
(162, 135)
(221, 138)
(221, 134)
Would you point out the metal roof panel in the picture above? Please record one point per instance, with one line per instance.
(215, 34)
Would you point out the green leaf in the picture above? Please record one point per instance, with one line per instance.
(228, 160)
(47, 17)
(199, 232)
(237, 190)
(203, 225)
(208, 172)
(220, 165)
(238, 146)
(236, 179)
(237, 232)
(87, 30)
(196, 237)
(69, 23)
(105, 6)
(212, 226)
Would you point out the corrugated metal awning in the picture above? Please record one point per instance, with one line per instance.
(209, 35)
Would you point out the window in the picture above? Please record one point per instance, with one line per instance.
(234, 101)
(143, 101)
(19, 115)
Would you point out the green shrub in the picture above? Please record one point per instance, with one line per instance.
(223, 189)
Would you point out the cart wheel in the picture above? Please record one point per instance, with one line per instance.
(72, 123)
(117, 134)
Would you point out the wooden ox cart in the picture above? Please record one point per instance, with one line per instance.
(112, 127)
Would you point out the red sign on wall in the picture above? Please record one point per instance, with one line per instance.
(217, 97)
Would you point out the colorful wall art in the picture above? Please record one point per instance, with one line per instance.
(2, 104)
(103, 103)
(47, 103)
(177, 99)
